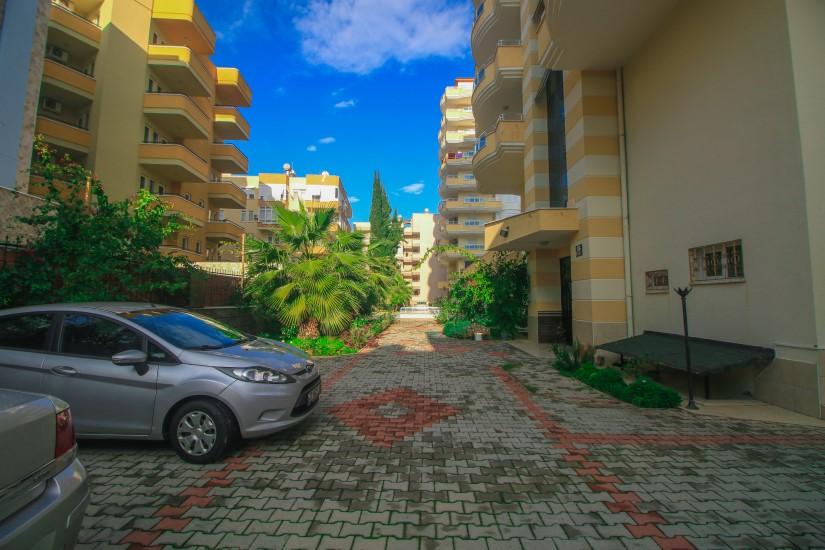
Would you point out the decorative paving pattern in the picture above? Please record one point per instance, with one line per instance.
(424, 442)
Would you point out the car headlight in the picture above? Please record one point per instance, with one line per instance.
(261, 375)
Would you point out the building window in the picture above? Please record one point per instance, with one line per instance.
(717, 262)
(185, 243)
(657, 282)
(161, 190)
(473, 199)
(538, 15)
(146, 133)
(198, 247)
(143, 182)
(557, 140)
(151, 86)
(151, 186)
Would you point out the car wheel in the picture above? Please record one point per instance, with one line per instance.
(201, 431)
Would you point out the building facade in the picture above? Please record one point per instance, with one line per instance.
(258, 217)
(463, 211)
(423, 274)
(661, 146)
(128, 91)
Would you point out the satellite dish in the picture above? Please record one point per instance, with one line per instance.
(287, 167)
(426, 210)
(325, 173)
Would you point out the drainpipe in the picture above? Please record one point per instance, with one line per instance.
(628, 283)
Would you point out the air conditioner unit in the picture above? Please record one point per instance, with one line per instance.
(57, 53)
(52, 105)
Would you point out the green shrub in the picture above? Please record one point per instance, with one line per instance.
(323, 345)
(458, 329)
(646, 393)
(568, 359)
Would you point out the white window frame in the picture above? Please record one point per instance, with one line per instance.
(650, 282)
(719, 255)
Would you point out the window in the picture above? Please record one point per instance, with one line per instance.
(557, 140)
(151, 186)
(185, 243)
(157, 355)
(657, 282)
(336, 192)
(473, 199)
(146, 134)
(151, 86)
(155, 137)
(143, 182)
(316, 197)
(187, 196)
(472, 222)
(29, 332)
(198, 247)
(186, 330)
(96, 337)
(161, 190)
(717, 262)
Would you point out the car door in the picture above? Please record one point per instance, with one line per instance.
(24, 345)
(106, 399)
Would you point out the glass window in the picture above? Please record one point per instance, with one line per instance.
(721, 261)
(557, 140)
(157, 355)
(96, 337)
(186, 330)
(25, 331)
(657, 281)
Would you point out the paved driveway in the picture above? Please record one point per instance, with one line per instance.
(425, 442)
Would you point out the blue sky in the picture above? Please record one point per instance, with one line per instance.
(367, 74)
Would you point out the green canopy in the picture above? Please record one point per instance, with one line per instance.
(707, 356)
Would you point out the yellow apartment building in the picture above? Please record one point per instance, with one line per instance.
(671, 143)
(463, 211)
(420, 234)
(258, 216)
(128, 90)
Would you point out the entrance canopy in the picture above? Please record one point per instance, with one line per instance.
(707, 356)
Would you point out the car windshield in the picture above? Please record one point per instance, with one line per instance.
(187, 330)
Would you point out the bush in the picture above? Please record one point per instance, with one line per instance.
(643, 392)
(458, 329)
(569, 359)
(323, 345)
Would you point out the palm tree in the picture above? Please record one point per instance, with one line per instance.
(314, 278)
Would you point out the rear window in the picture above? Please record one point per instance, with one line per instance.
(96, 337)
(29, 332)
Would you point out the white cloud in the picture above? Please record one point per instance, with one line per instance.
(312, 148)
(359, 36)
(413, 188)
(326, 140)
(346, 104)
(353, 200)
(248, 9)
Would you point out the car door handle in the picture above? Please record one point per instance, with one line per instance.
(64, 371)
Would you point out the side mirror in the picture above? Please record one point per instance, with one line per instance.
(129, 357)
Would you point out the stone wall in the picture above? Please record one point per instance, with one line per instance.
(14, 204)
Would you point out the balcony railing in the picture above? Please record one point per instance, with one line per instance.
(482, 140)
(74, 22)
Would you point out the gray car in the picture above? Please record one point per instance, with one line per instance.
(43, 486)
(143, 371)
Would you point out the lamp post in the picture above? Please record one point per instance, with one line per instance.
(683, 294)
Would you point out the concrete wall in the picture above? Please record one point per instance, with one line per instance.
(714, 154)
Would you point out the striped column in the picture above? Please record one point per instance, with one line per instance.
(592, 139)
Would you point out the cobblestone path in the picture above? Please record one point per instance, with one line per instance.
(423, 442)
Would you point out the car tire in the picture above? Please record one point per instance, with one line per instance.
(201, 431)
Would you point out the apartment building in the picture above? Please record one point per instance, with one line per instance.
(258, 218)
(129, 91)
(420, 232)
(463, 211)
(669, 143)
(364, 228)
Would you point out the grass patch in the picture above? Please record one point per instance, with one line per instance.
(531, 388)
(507, 367)
(323, 345)
(458, 329)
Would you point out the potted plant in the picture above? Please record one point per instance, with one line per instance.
(479, 331)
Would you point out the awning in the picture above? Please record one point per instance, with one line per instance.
(706, 356)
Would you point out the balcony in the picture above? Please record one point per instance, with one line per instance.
(319, 205)
(498, 164)
(224, 230)
(495, 20)
(498, 88)
(177, 115)
(459, 118)
(230, 124)
(73, 32)
(63, 135)
(453, 163)
(454, 140)
(67, 85)
(462, 206)
(456, 97)
(182, 69)
(541, 228)
(228, 159)
(232, 89)
(582, 41)
(182, 23)
(225, 194)
(456, 229)
(173, 162)
(190, 212)
(452, 185)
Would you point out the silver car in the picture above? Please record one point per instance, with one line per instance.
(143, 371)
(43, 486)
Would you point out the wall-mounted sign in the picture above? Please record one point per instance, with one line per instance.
(579, 250)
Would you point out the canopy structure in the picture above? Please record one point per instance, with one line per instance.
(706, 356)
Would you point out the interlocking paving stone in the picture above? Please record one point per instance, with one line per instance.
(425, 442)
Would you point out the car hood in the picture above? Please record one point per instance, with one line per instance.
(259, 352)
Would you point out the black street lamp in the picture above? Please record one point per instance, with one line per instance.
(683, 293)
